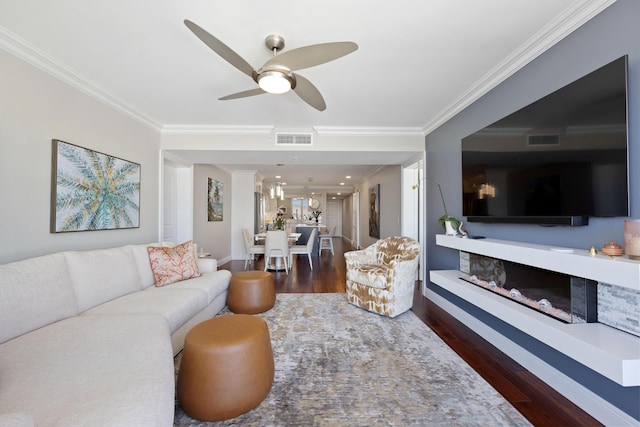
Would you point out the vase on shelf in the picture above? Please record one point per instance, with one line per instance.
(449, 230)
(632, 238)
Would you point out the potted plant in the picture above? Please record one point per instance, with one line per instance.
(279, 222)
(449, 224)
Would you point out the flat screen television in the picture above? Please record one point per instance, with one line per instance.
(557, 161)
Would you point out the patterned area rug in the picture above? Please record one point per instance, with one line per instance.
(339, 365)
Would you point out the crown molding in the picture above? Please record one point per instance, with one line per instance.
(217, 129)
(564, 24)
(367, 131)
(27, 52)
(319, 130)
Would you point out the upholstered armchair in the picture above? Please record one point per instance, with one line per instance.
(381, 278)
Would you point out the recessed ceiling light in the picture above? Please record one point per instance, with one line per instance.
(278, 176)
(348, 176)
(339, 194)
(342, 183)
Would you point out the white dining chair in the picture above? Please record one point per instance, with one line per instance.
(250, 247)
(326, 240)
(276, 245)
(303, 249)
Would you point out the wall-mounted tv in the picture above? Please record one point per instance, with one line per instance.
(558, 161)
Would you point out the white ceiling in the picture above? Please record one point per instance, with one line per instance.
(418, 63)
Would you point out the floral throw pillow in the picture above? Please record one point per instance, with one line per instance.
(170, 265)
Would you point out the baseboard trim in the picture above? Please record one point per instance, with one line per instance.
(591, 403)
(225, 260)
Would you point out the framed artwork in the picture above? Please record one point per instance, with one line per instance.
(92, 190)
(215, 195)
(374, 211)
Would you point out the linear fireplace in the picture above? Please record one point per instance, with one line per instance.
(563, 297)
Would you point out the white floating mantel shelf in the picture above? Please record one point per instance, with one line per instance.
(620, 271)
(608, 351)
(611, 352)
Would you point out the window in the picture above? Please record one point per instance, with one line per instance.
(300, 208)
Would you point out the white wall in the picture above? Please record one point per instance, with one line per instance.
(242, 206)
(389, 178)
(36, 108)
(211, 236)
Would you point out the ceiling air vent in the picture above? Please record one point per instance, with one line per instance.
(293, 139)
(548, 139)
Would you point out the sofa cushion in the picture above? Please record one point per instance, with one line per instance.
(34, 293)
(177, 306)
(373, 275)
(396, 248)
(170, 265)
(91, 371)
(213, 283)
(102, 275)
(141, 257)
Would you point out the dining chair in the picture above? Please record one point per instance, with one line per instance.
(303, 249)
(276, 245)
(250, 247)
(326, 240)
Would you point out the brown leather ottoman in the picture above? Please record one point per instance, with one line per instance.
(227, 367)
(251, 292)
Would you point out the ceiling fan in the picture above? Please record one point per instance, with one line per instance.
(277, 74)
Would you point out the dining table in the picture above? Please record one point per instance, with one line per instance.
(277, 266)
(291, 235)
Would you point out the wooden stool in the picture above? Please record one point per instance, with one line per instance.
(227, 367)
(251, 292)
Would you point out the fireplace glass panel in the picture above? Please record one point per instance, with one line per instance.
(565, 298)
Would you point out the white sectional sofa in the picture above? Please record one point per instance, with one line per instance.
(86, 339)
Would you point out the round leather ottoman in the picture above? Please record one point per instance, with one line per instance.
(227, 367)
(251, 292)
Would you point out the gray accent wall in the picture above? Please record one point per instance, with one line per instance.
(611, 34)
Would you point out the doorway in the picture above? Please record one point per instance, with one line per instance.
(177, 202)
(413, 221)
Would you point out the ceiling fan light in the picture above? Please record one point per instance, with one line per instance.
(274, 82)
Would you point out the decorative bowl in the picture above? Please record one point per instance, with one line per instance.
(612, 249)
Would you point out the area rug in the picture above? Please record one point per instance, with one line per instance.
(339, 365)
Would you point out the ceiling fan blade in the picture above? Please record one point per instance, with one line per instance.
(309, 56)
(309, 93)
(221, 49)
(244, 94)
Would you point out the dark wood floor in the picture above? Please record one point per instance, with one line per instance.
(538, 402)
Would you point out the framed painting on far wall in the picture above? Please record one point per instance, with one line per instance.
(92, 190)
(374, 211)
(215, 195)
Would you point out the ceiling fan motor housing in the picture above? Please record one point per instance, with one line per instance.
(274, 41)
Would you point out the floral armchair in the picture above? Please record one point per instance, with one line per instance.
(381, 278)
